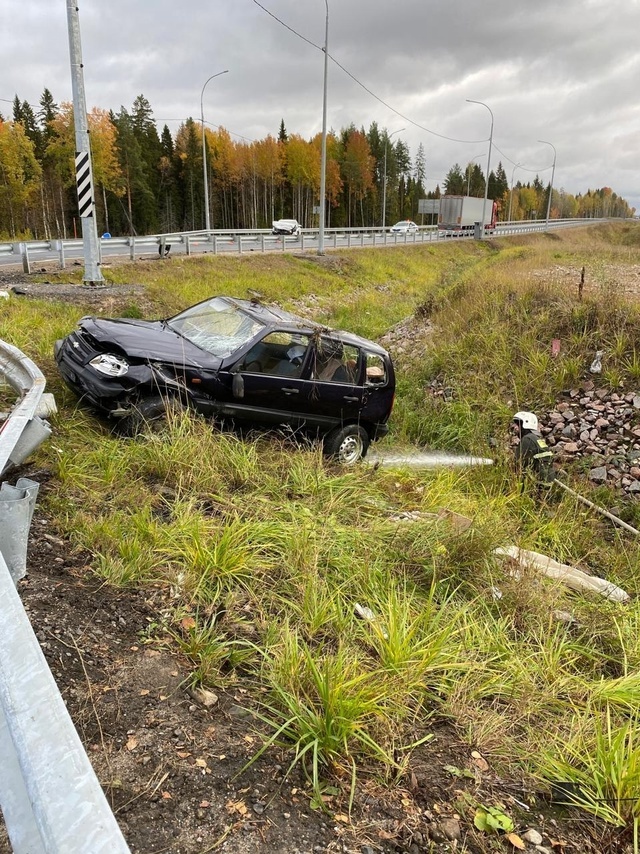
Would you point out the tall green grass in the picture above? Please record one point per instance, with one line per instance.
(355, 616)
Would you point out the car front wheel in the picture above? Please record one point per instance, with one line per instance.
(347, 445)
(149, 414)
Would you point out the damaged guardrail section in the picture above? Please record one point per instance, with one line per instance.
(50, 797)
(24, 429)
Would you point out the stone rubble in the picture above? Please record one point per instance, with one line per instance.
(602, 427)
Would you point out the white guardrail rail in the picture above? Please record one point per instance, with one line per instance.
(257, 240)
(50, 797)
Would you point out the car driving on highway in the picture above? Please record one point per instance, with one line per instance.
(405, 226)
(286, 226)
(235, 360)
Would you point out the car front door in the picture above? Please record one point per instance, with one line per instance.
(271, 388)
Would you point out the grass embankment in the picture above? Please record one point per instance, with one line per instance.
(264, 550)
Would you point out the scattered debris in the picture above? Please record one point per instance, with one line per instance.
(596, 365)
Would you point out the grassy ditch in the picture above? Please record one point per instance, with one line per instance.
(265, 556)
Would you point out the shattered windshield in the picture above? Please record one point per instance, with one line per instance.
(215, 326)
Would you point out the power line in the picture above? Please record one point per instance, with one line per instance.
(366, 89)
(524, 168)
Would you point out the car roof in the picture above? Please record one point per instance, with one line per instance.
(273, 315)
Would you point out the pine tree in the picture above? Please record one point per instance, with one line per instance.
(454, 182)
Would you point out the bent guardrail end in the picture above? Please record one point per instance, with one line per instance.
(33, 435)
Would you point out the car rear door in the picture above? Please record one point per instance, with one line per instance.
(337, 394)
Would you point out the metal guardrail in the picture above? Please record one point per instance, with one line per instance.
(263, 240)
(50, 797)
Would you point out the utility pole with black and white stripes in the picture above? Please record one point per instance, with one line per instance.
(84, 176)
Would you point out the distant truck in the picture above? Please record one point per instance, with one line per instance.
(461, 213)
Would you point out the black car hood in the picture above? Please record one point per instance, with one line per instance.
(147, 340)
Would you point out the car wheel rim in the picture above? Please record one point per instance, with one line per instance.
(350, 450)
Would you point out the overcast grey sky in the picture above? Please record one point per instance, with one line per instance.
(566, 71)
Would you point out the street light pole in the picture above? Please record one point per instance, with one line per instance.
(207, 219)
(384, 180)
(469, 171)
(323, 156)
(515, 166)
(553, 173)
(486, 184)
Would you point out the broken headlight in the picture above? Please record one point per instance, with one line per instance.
(111, 366)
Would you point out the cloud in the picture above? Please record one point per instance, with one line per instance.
(566, 72)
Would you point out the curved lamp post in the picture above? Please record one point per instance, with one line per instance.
(384, 180)
(486, 183)
(513, 171)
(553, 173)
(204, 153)
(323, 156)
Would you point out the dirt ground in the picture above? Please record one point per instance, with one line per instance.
(172, 768)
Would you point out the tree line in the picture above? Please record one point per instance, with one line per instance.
(147, 182)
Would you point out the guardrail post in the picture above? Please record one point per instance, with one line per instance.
(283, 242)
(24, 251)
(132, 248)
(60, 248)
(215, 244)
(349, 240)
(187, 244)
(240, 244)
(16, 511)
(302, 241)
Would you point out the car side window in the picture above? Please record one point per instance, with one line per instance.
(335, 362)
(376, 373)
(280, 354)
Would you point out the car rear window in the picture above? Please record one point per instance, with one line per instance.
(376, 370)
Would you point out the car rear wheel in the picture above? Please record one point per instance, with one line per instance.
(347, 445)
(149, 414)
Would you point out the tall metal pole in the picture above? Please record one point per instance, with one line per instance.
(486, 184)
(84, 176)
(323, 156)
(384, 182)
(553, 174)
(207, 219)
(513, 172)
(475, 156)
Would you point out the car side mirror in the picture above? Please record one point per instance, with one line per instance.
(237, 385)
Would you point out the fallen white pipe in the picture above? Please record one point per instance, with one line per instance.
(574, 578)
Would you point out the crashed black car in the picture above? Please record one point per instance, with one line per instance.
(234, 360)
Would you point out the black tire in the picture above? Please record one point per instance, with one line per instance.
(347, 445)
(149, 414)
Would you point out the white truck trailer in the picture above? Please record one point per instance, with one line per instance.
(461, 213)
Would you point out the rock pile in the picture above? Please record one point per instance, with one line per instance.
(603, 428)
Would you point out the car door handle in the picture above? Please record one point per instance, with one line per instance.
(351, 399)
(291, 390)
